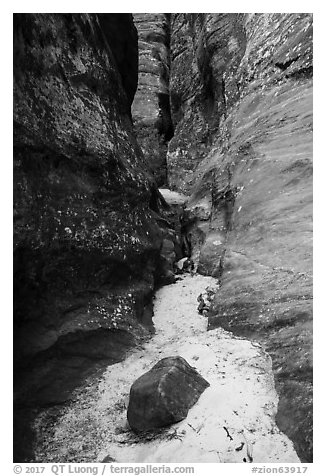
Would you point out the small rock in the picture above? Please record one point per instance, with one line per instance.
(184, 265)
(108, 459)
(203, 306)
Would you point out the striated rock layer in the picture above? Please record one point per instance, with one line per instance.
(86, 239)
(151, 106)
(242, 114)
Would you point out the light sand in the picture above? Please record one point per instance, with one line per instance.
(241, 401)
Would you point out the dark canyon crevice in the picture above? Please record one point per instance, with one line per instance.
(217, 107)
(151, 107)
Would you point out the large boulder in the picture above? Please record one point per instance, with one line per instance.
(164, 395)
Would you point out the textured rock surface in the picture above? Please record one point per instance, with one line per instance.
(164, 394)
(88, 230)
(151, 107)
(243, 112)
(83, 221)
(85, 236)
(205, 48)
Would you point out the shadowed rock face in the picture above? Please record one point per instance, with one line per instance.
(164, 395)
(243, 148)
(85, 238)
(122, 38)
(151, 106)
(83, 223)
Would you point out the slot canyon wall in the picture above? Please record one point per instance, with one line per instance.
(87, 238)
(241, 104)
(222, 114)
(151, 107)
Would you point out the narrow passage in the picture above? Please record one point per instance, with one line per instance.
(233, 420)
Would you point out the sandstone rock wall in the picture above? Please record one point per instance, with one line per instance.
(205, 50)
(87, 228)
(243, 147)
(85, 236)
(151, 106)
